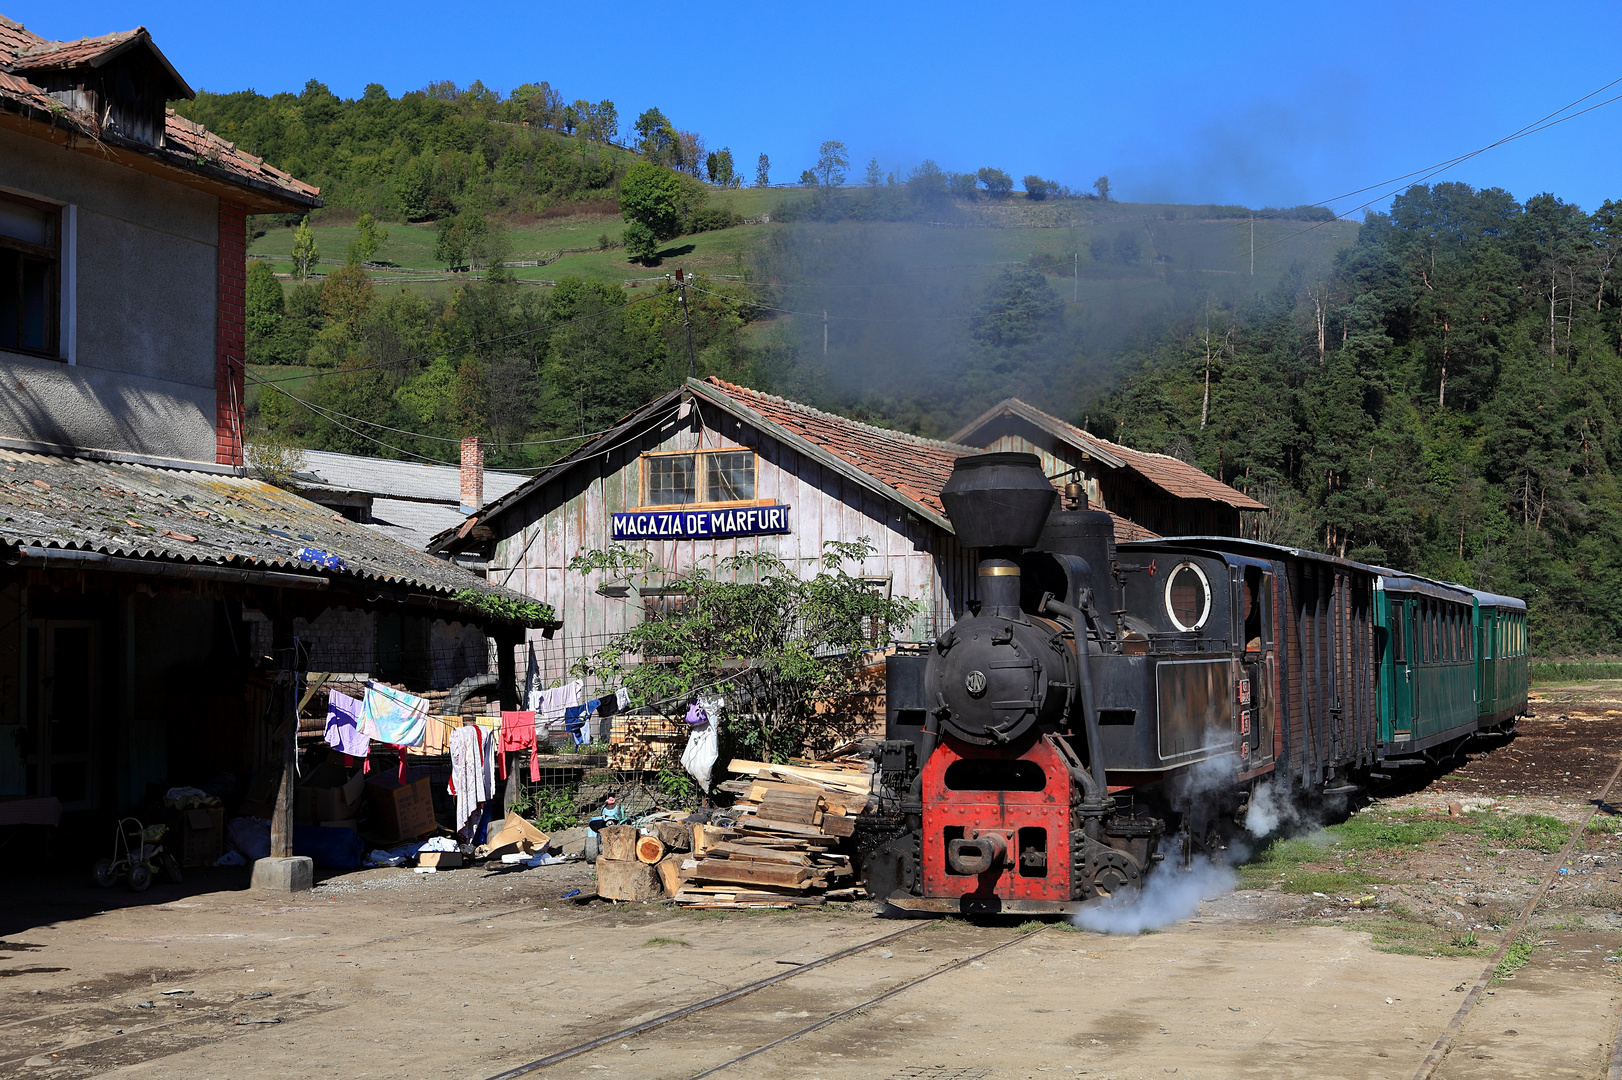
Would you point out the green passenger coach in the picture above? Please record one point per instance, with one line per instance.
(1428, 669)
(1501, 671)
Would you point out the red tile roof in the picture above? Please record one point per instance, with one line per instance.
(188, 146)
(1170, 474)
(43, 55)
(914, 466)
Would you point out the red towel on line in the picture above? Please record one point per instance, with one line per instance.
(518, 733)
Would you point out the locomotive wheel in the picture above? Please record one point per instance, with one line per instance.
(1102, 870)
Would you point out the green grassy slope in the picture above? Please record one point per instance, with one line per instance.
(1173, 242)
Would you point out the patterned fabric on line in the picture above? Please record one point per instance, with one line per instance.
(393, 716)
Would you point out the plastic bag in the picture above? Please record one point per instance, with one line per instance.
(703, 747)
(250, 836)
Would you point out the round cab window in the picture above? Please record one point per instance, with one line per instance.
(1188, 597)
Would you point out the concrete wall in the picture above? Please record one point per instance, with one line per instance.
(144, 277)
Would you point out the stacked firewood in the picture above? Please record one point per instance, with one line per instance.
(781, 845)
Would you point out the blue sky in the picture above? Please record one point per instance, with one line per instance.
(1261, 104)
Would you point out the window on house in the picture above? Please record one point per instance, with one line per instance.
(658, 603)
(30, 275)
(706, 476)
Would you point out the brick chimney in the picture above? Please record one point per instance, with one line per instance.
(472, 474)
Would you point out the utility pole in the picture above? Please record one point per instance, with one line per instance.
(825, 333)
(687, 324)
(1253, 244)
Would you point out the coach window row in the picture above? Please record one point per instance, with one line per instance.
(698, 478)
(1442, 633)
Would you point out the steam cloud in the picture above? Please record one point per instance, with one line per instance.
(1171, 895)
(1271, 810)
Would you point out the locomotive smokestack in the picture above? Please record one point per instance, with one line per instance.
(998, 500)
(998, 503)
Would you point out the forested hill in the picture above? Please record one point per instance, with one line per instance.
(428, 152)
(1448, 400)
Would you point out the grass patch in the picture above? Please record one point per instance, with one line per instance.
(1290, 863)
(660, 942)
(1399, 930)
(1603, 824)
(1030, 926)
(1558, 672)
(1519, 953)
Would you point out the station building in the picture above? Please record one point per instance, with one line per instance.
(712, 470)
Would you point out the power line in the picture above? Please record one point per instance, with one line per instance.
(460, 348)
(420, 435)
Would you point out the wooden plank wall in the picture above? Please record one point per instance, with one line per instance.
(1329, 675)
(574, 514)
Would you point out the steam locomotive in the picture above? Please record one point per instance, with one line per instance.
(1102, 707)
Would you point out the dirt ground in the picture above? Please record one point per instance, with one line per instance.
(467, 974)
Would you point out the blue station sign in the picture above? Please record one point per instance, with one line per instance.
(700, 524)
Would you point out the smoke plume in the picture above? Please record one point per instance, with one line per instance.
(1171, 895)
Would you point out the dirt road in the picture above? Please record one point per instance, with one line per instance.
(390, 974)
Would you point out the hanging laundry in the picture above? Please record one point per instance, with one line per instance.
(622, 699)
(518, 733)
(576, 721)
(467, 777)
(404, 775)
(488, 740)
(343, 732)
(393, 716)
(697, 716)
(559, 699)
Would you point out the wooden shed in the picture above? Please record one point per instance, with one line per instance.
(711, 470)
(1160, 493)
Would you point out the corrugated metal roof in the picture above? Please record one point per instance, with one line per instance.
(406, 479)
(175, 515)
(413, 523)
(1170, 474)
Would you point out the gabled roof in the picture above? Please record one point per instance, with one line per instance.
(43, 55)
(906, 469)
(915, 467)
(1170, 474)
(191, 154)
(201, 519)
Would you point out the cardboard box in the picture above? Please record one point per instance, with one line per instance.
(196, 837)
(400, 811)
(445, 860)
(327, 793)
(516, 835)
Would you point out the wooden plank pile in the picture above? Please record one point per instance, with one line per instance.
(780, 848)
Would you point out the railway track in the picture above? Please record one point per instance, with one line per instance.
(1444, 1042)
(728, 996)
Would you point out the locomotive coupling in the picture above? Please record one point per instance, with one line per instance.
(977, 852)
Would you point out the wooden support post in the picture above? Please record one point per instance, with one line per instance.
(284, 718)
(507, 691)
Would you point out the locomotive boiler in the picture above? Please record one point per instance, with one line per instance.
(1100, 708)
